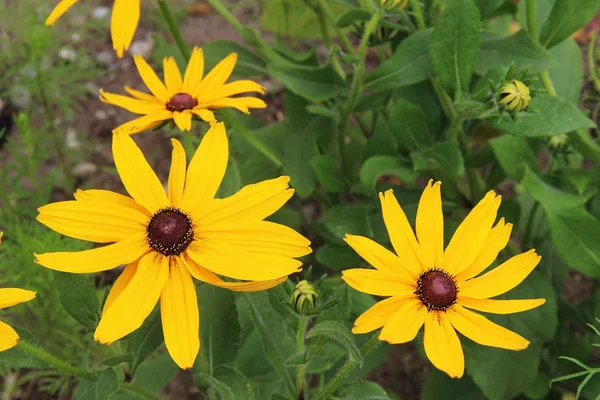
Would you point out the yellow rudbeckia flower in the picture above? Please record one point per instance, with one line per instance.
(394, 3)
(124, 21)
(165, 239)
(9, 297)
(426, 285)
(181, 98)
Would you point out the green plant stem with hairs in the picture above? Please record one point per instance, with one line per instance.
(331, 18)
(533, 32)
(300, 339)
(49, 359)
(327, 40)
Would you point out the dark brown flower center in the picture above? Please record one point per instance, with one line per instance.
(181, 101)
(170, 231)
(436, 289)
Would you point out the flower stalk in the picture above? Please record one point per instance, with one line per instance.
(174, 29)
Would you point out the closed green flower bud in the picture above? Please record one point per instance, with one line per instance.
(558, 143)
(304, 298)
(515, 96)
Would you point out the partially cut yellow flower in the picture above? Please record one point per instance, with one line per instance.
(394, 3)
(166, 238)
(426, 285)
(180, 98)
(124, 21)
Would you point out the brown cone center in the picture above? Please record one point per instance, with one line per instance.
(170, 231)
(437, 290)
(181, 101)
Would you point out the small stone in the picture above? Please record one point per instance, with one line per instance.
(105, 57)
(101, 12)
(68, 54)
(92, 88)
(76, 38)
(71, 139)
(19, 96)
(142, 47)
(85, 169)
(101, 115)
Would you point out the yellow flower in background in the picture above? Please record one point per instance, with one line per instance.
(10, 297)
(394, 3)
(426, 285)
(182, 98)
(515, 96)
(124, 21)
(166, 238)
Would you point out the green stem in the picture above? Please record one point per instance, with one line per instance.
(475, 186)
(300, 339)
(225, 13)
(548, 83)
(345, 370)
(188, 143)
(327, 40)
(416, 7)
(455, 127)
(592, 61)
(128, 387)
(356, 84)
(183, 48)
(533, 32)
(529, 225)
(329, 14)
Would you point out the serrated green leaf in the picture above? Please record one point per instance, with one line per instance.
(443, 156)
(512, 153)
(360, 391)
(116, 360)
(329, 174)
(438, 385)
(409, 125)
(337, 257)
(78, 297)
(152, 375)
(552, 116)
(410, 64)
(565, 18)
(227, 382)
(377, 166)
(316, 84)
(339, 333)
(145, 340)
(348, 219)
(103, 387)
(17, 358)
(454, 45)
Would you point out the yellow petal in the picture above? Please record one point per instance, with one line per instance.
(472, 233)
(172, 76)
(152, 81)
(92, 221)
(401, 234)
(133, 105)
(217, 76)
(96, 260)
(106, 196)
(207, 276)
(124, 20)
(381, 258)
(137, 175)
(240, 103)
(8, 337)
(483, 331)
(257, 237)
(496, 241)
(180, 316)
(404, 325)
(183, 120)
(252, 203)
(177, 173)
(229, 261)
(136, 301)
(375, 282)
(194, 71)
(11, 296)
(502, 278)
(442, 345)
(376, 316)
(206, 170)
(120, 285)
(59, 10)
(500, 306)
(143, 96)
(231, 89)
(430, 226)
(205, 115)
(143, 123)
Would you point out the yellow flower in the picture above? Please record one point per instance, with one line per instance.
(124, 21)
(180, 98)
(426, 285)
(166, 238)
(394, 3)
(9, 297)
(515, 96)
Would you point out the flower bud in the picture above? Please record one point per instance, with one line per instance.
(304, 298)
(515, 96)
(558, 143)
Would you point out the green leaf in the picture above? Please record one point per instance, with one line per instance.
(512, 153)
(227, 382)
(565, 18)
(152, 375)
(377, 166)
(17, 358)
(584, 144)
(232, 181)
(408, 123)
(488, 8)
(455, 44)
(353, 15)
(145, 340)
(339, 333)
(328, 173)
(552, 116)
(351, 218)
(540, 387)
(567, 76)
(78, 297)
(299, 148)
(519, 49)
(316, 84)
(336, 257)
(103, 387)
(360, 391)
(443, 156)
(249, 64)
(575, 235)
(438, 386)
(549, 195)
(116, 360)
(410, 64)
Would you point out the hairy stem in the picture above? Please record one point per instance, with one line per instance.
(174, 29)
(300, 338)
(329, 14)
